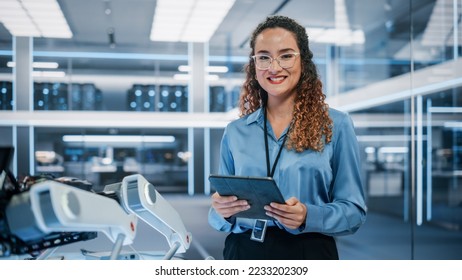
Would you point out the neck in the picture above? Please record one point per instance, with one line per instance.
(280, 111)
(279, 117)
(280, 106)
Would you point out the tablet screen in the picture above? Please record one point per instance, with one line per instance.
(258, 191)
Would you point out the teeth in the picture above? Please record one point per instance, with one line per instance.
(276, 78)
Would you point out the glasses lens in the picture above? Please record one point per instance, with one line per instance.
(263, 61)
(286, 60)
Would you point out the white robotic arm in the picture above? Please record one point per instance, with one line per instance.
(56, 207)
(139, 197)
(52, 207)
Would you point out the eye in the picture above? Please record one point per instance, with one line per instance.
(263, 58)
(287, 56)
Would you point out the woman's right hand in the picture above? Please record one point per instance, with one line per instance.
(227, 206)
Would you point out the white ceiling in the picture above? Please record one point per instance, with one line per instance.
(132, 20)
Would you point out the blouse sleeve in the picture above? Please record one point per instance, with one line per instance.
(215, 220)
(346, 211)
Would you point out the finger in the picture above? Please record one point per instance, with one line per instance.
(289, 223)
(223, 199)
(292, 201)
(289, 202)
(237, 203)
(276, 211)
(280, 209)
(294, 217)
(230, 211)
(296, 208)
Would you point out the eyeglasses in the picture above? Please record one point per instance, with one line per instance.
(285, 60)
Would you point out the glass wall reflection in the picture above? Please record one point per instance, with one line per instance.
(407, 117)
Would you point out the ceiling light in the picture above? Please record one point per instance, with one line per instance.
(393, 150)
(336, 36)
(209, 69)
(453, 125)
(46, 65)
(342, 34)
(184, 68)
(34, 18)
(119, 138)
(188, 20)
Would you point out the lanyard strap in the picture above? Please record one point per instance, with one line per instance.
(268, 172)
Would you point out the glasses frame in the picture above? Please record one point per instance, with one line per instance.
(254, 57)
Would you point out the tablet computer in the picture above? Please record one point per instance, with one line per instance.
(258, 191)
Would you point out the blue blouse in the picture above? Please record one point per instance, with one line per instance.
(327, 182)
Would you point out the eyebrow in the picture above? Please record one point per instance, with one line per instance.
(279, 52)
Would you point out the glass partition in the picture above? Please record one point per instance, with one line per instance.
(438, 137)
(106, 156)
(438, 115)
(402, 89)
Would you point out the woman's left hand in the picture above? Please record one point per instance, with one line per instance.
(292, 214)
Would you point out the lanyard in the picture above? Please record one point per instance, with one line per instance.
(268, 172)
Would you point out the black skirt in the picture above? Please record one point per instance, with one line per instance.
(280, 245)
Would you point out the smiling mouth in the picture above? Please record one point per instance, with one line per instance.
(276, 79)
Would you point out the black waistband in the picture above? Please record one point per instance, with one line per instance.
(280, 231)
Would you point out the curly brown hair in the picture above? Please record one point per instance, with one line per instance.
(311, 125)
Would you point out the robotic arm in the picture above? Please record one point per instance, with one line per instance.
(51, 206)
(139, 197)
(40, 215)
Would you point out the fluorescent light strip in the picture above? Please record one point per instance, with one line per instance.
(188, 20)
(445, 110)
(454, 125)
(142, 56)
(383, 138)
(119, 138)
(34, 18)
(45, 65)
(394, 150)
(336, 36)
(214, 69)
(342, 34)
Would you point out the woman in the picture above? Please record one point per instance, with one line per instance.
(288, 132)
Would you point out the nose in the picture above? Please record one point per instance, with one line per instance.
(275, 65)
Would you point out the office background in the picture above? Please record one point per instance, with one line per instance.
(118, 101)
